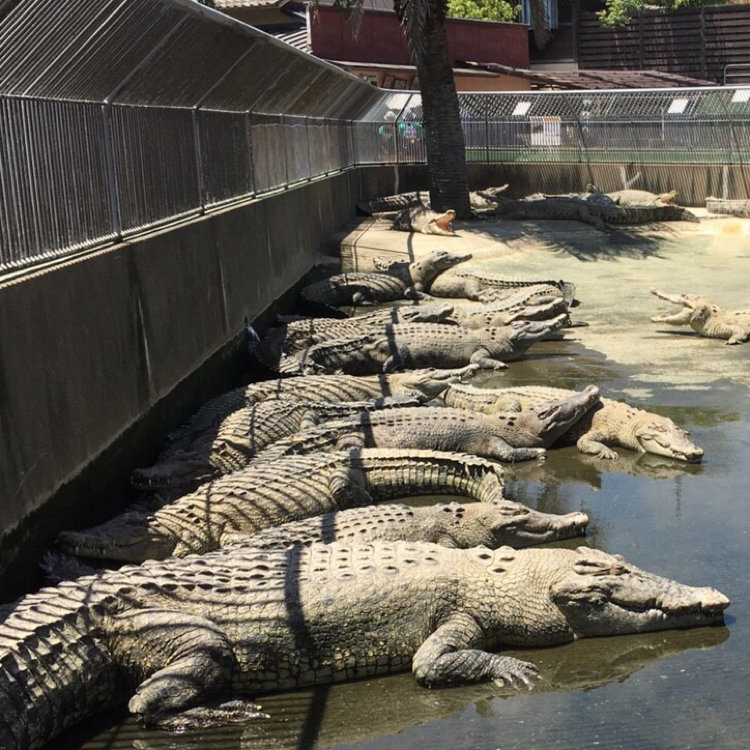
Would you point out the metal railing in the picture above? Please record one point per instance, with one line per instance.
(111, 140)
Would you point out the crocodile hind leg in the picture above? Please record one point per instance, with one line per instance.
(449, 656)
(186, 660)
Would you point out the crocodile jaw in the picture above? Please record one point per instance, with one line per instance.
(664, 438)
(605, 595)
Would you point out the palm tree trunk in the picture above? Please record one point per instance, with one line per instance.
(444, 139)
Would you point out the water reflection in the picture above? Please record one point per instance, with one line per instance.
(353, 712)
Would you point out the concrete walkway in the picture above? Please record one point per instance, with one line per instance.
(613, 272)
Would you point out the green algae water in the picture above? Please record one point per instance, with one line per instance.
(671, 689)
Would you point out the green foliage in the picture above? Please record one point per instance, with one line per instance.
(487, 10)
(619, 12)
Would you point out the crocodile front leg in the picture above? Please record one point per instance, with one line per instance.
(591, 444)
(739, 336)
(450, 656)
(482, 358)
(186, 660)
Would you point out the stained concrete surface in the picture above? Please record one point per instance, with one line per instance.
(613, 272)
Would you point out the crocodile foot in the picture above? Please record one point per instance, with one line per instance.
(201, 717)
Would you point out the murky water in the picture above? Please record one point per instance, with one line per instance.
(676, 689)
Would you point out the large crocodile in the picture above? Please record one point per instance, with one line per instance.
(398, 202)
(233, 443)
(505, 436)
(460, 525)
(295, 335)
(480, 286)
(425, 383)
(609, 423)
(594, 208)
(408, 346)
(706, 318)
(425, 221)
(268, 494)
(402, 281)
(520, 306)
(182, 635)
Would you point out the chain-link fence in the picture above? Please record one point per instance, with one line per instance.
(118, 117)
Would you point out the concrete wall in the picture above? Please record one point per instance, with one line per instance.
(90, 346)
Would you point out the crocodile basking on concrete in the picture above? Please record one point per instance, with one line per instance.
(268, 494)
(706, 318)
(182, 635)
(408, 346)
(453, 525)
(296, 335)
(425, 384)
(509, 310)
(400, 201)
(425, 221)
(233, 443)
(608, 423)
(505, 436)
(593, 208)
(402, 281)
(477, 285)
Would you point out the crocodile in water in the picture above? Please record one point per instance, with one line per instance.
(460, 525)
(609, 423)
(268, 494)
(505, 436)
(706, 318)
(183, 634)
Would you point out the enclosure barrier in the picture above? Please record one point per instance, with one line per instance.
(121, 117)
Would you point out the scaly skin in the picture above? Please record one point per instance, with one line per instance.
(267, 494)
(453, 525)
(610, 423)
(232, 444)
(706, 318)
(186, 633)
(488, 287)
(426, 384)
(596, 209)
(505, 436)
(424, 220)
(297, 335)
(406, 281)
(408, 346)
(505, 312)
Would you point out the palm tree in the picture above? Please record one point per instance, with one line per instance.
(423, 24)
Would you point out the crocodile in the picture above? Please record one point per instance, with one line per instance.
(608, 423)
(268, 494)
(706, 318)
(403, 281)
(425, 384)
(231, 445)
(425, 221)
(520, 306)
(596, 209)
(407, 346)
(182, 637)
(632, 197)
(451, 525)
(511, 435)
(490, 287)
(400, 201)
(295, 335)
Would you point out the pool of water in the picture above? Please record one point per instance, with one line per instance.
(675, 689)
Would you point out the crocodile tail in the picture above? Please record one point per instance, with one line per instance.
(54, 669)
